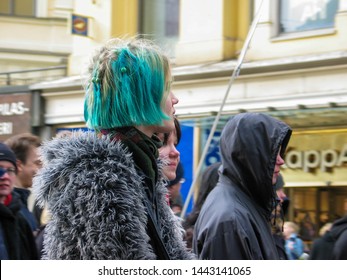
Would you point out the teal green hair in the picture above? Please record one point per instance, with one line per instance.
(127, 85)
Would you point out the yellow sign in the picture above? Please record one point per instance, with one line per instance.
(317, 158)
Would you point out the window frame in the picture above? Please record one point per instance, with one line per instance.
(167, 42)
(12, 7)
(278, 34)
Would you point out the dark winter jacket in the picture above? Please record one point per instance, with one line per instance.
(322, 248)
(333, 244)
(339, 232)
(98, 203)
(209, 179)
(24, 195)
(16, 233)
(234, 220)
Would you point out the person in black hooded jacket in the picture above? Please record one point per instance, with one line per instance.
(234, 222)
(277, 219)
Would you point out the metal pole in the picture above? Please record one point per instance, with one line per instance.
(213, 129)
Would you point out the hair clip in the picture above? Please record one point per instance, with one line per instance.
(123, 69)
(95, 80)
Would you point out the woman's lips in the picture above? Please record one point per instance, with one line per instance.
(173, 164)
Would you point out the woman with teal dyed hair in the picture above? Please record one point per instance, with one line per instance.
(105, 189)
(128, 83)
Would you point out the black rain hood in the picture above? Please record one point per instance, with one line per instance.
(249, 145)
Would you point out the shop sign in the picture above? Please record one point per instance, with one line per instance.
(80, 25)
(14, 115)
(310, 160)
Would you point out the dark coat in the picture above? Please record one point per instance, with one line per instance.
(234, 222)
(333, 244)
(17, 234)
(29, 216)
(322, 248)
(98, 205)
(209, 179)
(339, 232)
(280, 245)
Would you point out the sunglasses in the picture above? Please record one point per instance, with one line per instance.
(9, 171)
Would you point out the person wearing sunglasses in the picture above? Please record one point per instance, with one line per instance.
(16, 237)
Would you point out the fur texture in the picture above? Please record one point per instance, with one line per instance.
(95, 197)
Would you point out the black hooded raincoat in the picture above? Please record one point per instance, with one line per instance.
(234, 222)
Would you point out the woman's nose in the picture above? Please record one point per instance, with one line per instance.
(175, 152)
(174, 99)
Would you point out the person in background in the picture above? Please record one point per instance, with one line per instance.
(105, 189)
(281, 195)
(16, 237)
(174, 188)
(25, 146)
(326, 227)
(234, 222)
(333, 244)
(339, 232)
(277, 220)
(168, 152)
(293, 243)
(172, 169)
(307, 228)
(208, 181)
(321, 247)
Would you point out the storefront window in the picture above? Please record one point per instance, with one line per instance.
(312, 208)
(17, 7)
(304, 204)
(303, 15)
(160, 22)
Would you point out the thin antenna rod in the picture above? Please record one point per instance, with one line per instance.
(234, 75)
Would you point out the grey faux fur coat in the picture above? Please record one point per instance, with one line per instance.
(95, 197)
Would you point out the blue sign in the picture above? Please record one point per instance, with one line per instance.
(63, 129)
(79, 25)
(213, 153)
(185, 147)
